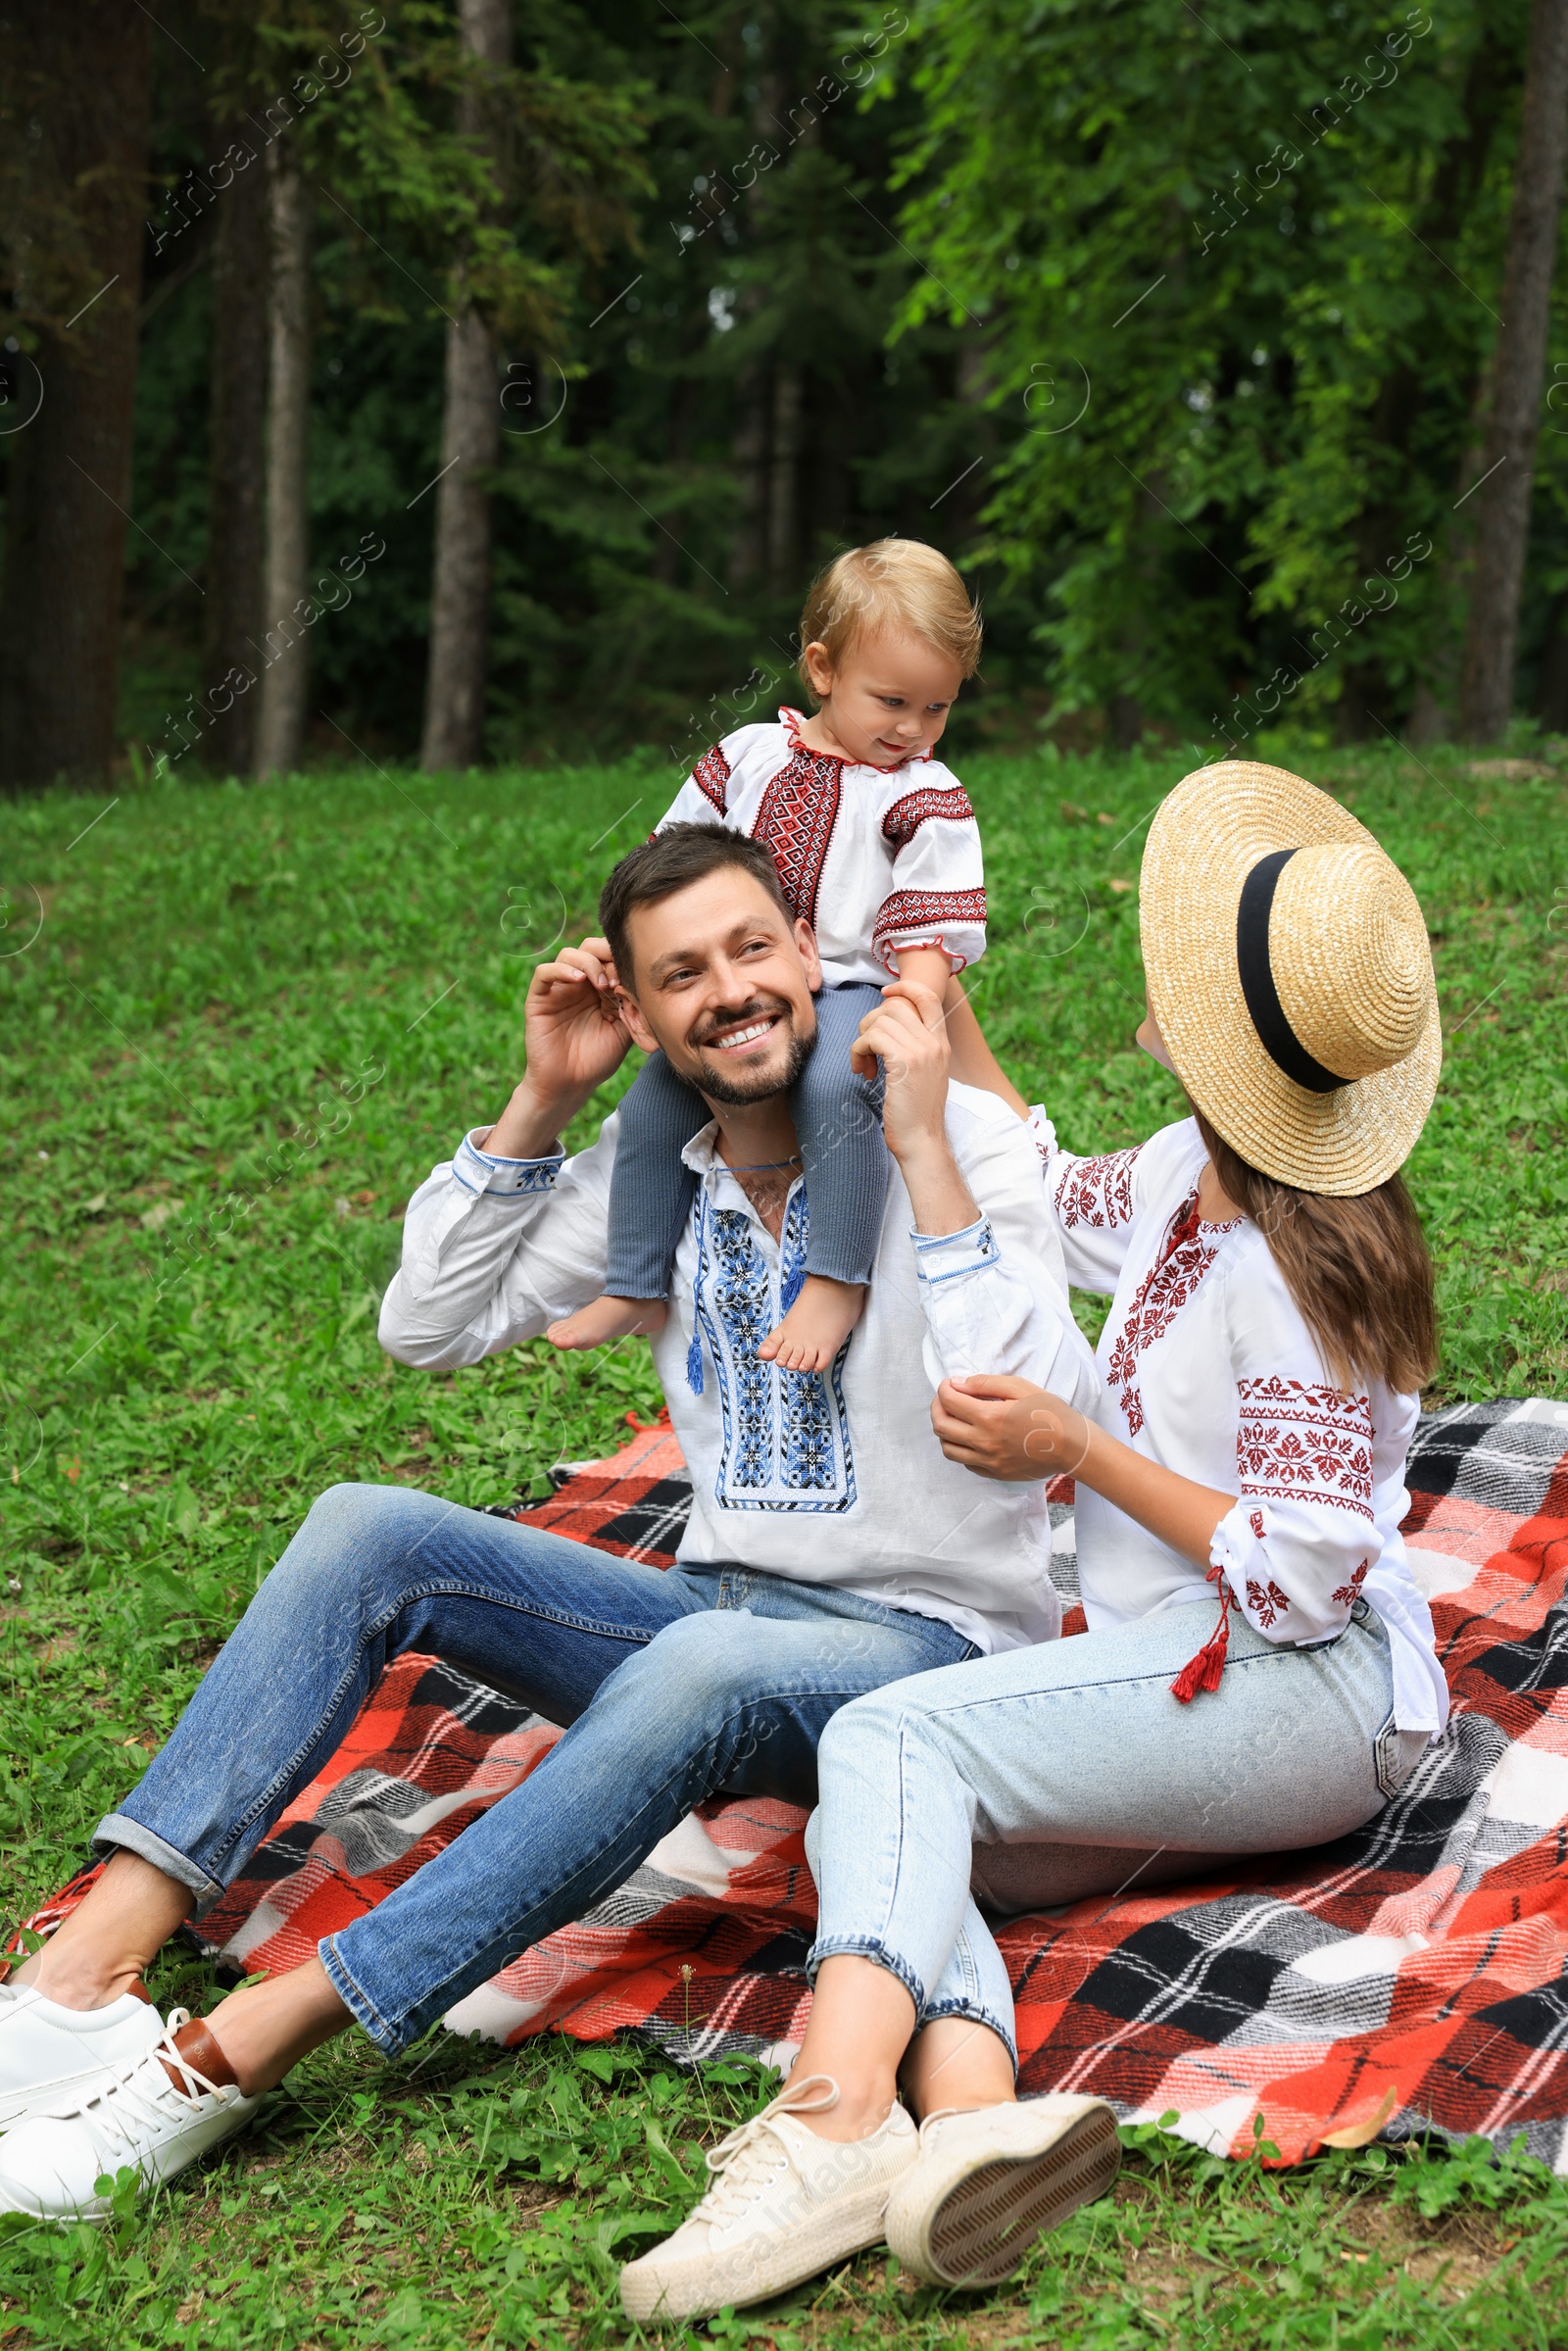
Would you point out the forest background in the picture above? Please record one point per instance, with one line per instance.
(484, 379)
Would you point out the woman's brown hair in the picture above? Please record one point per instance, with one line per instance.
(1358, 1269)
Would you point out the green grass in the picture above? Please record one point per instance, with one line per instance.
(238, 1027)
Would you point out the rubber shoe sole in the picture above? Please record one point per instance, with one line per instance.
(981, 2228)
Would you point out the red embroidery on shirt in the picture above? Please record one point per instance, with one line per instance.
(1350, 1592)
(906, 815)
(1257, 1523)
(917, 911)
(1299, 1443)
(1162, 1293)
(1096, 1192)
(796, 821)
(710, 775)
(1267, 1602)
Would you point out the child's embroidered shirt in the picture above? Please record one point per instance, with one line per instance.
(874, 859)
(1207, 1366)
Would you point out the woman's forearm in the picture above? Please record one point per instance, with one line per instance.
(973, 1061)
(1176, 1509)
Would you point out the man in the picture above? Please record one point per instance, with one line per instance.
(831, 1548)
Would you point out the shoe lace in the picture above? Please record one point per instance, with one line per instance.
(140, 2093)
(931, 2125)
(746, 2159)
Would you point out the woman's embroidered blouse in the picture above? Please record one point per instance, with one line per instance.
(1208, 1367)
(874, 859)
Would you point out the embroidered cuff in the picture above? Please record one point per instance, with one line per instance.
(481, 1171)
(948, 1256)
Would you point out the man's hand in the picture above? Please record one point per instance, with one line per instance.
(574, 1039)
(1002, 1428)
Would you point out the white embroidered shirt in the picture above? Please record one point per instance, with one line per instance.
(835, 1479)
(1207, 1366)
(873, 859)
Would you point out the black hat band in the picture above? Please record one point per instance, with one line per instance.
(1275, 1033)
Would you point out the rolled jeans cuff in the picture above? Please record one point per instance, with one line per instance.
(387, 2037)
(977, 2013)
(865, 1946)
(119, 1831)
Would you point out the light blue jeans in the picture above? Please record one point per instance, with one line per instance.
(674, 1685)
(1042, 1754)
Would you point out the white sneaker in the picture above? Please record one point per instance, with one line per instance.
(987, 2184)
(51, 2164)
(785, 2205)
(48, 2053)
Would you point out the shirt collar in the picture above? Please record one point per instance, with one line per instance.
(701, 1152)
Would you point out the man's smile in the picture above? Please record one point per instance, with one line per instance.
(737, 1038)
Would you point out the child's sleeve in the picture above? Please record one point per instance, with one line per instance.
(938, 897)
(705, 795)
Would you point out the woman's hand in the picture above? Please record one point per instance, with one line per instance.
(1002, 1428)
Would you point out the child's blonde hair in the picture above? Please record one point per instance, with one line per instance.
(894, 584)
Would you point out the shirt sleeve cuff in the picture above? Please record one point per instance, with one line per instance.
(512, 1179)
(945, 1257)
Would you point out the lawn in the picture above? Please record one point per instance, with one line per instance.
(238, 1026)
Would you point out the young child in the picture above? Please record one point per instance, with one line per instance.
(878, 849)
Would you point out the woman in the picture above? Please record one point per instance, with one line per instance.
(1271, 1321)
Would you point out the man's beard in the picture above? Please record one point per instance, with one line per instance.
(755, 1085)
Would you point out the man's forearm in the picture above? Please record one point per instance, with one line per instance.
(532, 1123)
(937, 1194)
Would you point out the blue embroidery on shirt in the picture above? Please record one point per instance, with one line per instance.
(786, 1434)
(531, 1176)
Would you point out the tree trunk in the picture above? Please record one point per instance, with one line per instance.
(470, 443)
(1518, 369)
(235, 531)
(285, 650)
(69, 488)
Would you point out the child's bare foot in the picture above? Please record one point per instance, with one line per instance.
(605, 1319)
(815, 1326)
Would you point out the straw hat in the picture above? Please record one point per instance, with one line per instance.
(1291, 978)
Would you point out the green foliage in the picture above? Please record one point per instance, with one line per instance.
(656, 521)
(237, 1028)
(1239, 268)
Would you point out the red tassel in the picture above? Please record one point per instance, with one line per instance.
(1204, 1671)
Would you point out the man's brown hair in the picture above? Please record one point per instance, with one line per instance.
(682, 853)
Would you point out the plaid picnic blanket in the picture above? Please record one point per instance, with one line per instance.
(1407, 1979)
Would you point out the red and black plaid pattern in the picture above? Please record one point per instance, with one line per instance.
(1409, 1978)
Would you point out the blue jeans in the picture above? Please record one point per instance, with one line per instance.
(1078, 1744)
(674, 1685)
